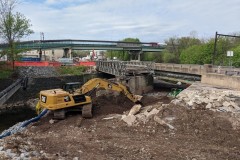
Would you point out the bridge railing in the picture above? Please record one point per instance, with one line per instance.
(180, 68)
(226, 70)
(122, 68)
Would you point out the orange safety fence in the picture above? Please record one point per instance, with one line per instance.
(87, 63)
(47, 63)
(32, 63)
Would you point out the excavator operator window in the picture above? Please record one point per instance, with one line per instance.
(79, 98)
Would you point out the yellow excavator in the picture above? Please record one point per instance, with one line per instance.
(61, 101)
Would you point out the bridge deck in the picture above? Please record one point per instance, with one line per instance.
(123, 68)
(88, 45)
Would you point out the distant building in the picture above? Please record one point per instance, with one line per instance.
(3, 58)
(48, 55)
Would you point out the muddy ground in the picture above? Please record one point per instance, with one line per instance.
(197, 135)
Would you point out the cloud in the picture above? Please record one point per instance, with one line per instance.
(152, 20)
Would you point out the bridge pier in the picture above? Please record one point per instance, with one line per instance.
(139, 84)
(138, 53)
(67, 53)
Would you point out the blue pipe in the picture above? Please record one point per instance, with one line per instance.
(35, 119)
(25, 124)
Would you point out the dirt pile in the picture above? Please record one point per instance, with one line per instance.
(161, 130)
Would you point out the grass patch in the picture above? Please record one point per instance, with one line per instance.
(72, 70)
(5, 70)
(5, 74)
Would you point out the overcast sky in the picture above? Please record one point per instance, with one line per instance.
(148, 20)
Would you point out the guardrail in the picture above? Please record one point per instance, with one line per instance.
(9, 91)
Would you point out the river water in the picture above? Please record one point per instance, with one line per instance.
(11, 117)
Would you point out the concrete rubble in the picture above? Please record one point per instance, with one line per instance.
(135, 109)
(20, 148)
(196, 96)
(212, 98)
(146, 114)
(143, 115)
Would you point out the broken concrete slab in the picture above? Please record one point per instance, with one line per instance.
(135, 109)
(154, 111)
(130, 119)
(113, 116)
(162, 122)
(209, 105)
(226, 104)
(141, 117)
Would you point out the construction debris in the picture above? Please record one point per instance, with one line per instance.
(162, 122)
(135, 109)
(129, 119)
(113, 116)
(215, 99)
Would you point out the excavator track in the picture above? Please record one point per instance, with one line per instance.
(59, 114)
(87, 111)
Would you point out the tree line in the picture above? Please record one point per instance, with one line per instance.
(189, 50)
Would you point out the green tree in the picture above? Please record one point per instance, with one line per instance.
(176, 45)
(169, 57)
(122, 55)
(13, 27)
(197, 54)
(152, 56)
(236, 56)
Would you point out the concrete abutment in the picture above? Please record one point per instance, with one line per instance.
(139, 84)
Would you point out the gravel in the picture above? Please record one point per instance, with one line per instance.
(34, 71)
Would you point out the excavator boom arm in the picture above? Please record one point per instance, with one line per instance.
(96, 83)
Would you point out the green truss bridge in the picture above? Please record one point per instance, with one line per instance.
(88, 45)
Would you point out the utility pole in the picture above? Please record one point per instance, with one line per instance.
(215, 48)
(217, 35)
(42, 39)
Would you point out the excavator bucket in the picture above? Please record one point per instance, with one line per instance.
(38, 108)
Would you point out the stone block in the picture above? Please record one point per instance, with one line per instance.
(209, 105)
(135, 109)
(130, 119)
(226, 104)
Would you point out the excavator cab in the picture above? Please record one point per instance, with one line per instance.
(71, 86)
